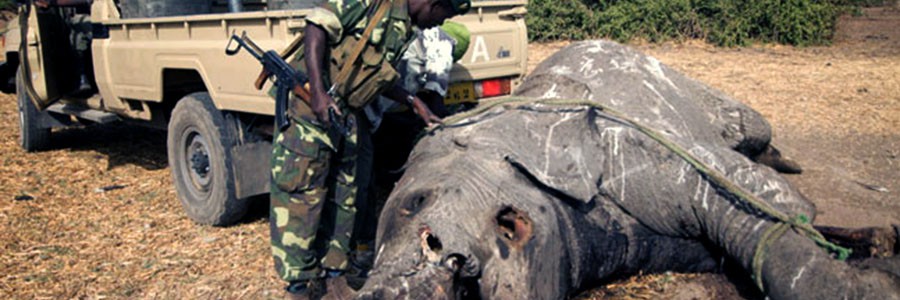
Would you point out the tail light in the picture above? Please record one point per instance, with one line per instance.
(492, 87)
(471, 91)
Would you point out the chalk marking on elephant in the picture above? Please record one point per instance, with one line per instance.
(655, 69)
(758, 225)
(682, 172)
(799, 274)
(551, 93)
(405, 288)
(548, 141)
(586, 68)
(614, 139)
(596, 48)
(662, 100)
(624, 173)
(659, 98)
(561, 70)
(625, 66)
(704, 186)
(588, 95)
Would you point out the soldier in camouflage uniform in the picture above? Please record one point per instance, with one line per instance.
(311, 235)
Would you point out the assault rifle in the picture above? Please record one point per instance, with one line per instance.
(286, 80)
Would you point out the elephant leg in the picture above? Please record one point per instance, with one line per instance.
(796, 268)
(790, 265)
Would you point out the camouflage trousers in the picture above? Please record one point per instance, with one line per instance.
(314, 195)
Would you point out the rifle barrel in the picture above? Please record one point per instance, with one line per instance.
(252, 45)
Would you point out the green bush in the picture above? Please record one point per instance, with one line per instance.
(723, 22)
(652, 20)
(560, 20)
(7, 4)
(794, 22)
(863, 3)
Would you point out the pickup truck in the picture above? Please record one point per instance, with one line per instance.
(172, 73)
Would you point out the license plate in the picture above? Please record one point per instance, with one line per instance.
(460, 92)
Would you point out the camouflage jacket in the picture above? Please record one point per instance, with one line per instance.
(340, 18)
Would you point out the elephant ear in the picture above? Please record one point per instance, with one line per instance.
(567, 165)
(572, 187)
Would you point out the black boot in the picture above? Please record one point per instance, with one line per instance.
(305, 289)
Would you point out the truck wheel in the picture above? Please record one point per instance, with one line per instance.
(33, 136)
(200, 139)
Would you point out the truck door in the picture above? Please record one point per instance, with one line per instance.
(46, 54)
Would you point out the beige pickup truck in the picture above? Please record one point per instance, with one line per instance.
(171, 72)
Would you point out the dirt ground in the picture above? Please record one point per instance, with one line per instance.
(96, 217)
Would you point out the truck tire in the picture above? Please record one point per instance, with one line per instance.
(293, 4)
(33, 136)
(199, 145)
(163, 8)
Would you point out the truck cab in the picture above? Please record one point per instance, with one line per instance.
(162, 63)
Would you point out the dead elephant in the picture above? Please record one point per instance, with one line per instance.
(538, 201)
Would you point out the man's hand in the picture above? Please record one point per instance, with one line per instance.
(320, 104)
(397, 93)
(421, 109)
(435, 102)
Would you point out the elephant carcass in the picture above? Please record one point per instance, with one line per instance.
(539, 201)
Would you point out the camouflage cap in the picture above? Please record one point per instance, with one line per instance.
(461, 34)
(460, 7)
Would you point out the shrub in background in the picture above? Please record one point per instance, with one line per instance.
(723, 22)
(560, 20)
(7, 4)
(652, 20)
(794, 22)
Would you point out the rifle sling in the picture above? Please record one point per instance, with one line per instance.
(383, 7)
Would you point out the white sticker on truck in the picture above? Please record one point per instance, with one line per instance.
(480, 50)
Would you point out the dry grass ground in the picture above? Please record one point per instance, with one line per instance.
(835, 109)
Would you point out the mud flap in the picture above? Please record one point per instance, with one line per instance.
(250, 166)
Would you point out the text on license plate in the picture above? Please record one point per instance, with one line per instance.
(461, 92)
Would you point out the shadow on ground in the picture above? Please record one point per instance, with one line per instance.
(122, 143)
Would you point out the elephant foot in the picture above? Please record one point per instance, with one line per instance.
(773, 158)
(338, 289)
